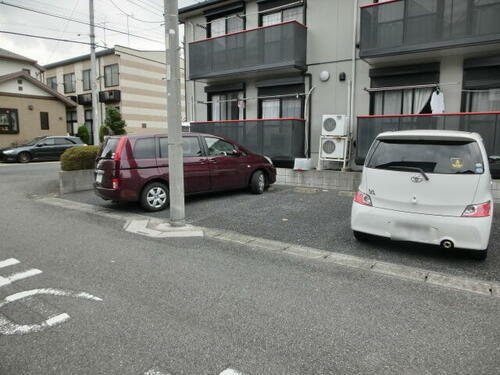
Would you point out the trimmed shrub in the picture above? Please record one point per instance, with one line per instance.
(114, 121)
(83, 134)
(103, 132)
(79, 157)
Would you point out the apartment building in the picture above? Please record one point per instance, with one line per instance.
(133, 81)
(265, 72)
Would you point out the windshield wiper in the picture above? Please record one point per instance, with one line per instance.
(405, 168)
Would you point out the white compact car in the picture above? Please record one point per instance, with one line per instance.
(428, 186)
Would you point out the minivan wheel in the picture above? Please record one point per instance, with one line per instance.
(258, 182)
(154, 197)
(360, 236)
(479, 254)
(24, 157)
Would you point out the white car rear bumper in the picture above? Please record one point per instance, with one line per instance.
(464, 232)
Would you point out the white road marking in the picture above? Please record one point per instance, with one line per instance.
(230, 371)
(8, 262)
(7, 327)
(19, 276)
(154, 371)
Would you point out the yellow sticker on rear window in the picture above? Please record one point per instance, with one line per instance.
(456, 163)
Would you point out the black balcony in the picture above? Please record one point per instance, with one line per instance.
(487, 124)
(281, 46)
(280, 139)
(85, 99)
(406, 26)
(109, 96)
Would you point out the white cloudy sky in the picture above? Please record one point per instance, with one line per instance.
(113, 15)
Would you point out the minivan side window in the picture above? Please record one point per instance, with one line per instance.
(191, 147)
(164, 147)
(441, 157)
(218, 147)
(144, 148)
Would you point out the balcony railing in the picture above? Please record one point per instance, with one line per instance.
(277, 46)
(404, 26)
(487, 124)
(280, 139)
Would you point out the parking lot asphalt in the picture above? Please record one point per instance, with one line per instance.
(315, 218)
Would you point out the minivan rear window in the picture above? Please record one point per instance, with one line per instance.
(441, 157)
(108, 151)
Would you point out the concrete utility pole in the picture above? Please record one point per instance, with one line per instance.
(93, 78)
(173, 79)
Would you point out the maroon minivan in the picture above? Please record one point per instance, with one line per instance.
(135, 168)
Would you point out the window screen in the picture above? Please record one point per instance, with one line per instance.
(144, 148)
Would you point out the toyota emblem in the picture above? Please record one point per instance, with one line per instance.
(417, 179)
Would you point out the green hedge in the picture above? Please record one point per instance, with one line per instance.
(79, 157)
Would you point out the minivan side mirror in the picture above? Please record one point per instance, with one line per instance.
(493, 158)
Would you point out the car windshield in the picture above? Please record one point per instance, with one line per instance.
(441, 157)
(108, 151)
(34, 141)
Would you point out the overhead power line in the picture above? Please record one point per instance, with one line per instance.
(47, 37)
(78, 21)
(131, 16)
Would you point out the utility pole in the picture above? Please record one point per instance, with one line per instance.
(173, 80)
(93, 78)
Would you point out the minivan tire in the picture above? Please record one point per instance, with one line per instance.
(258, 182)
(154, 197)
(24, 157)
(360, 236)
(478, 254)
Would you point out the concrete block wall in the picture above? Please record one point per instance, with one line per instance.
(319, 179)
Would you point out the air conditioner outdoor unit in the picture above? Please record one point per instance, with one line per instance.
(334, 125)
(333, 148)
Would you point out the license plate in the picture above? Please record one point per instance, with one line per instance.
(98, 178)
(410, 231)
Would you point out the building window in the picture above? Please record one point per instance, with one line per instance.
(86, 79)
(272, 17)
(481, 84)
(69, 83)
(403, 90)
(226, 106)
(88, 118)
(285, 101)
(27, 71)
(52, 82)
(226, 25)
(111, 75)
(44, 120)
(9, 120)
(71, 119)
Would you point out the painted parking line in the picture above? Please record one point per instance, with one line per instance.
(19, 276)
(8, 262)
(155, 371)
(229, 371)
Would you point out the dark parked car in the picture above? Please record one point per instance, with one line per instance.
(135, 168)
(41, 148)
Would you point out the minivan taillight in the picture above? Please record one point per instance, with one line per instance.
(116, 183)
(362, 198)
(477, 210)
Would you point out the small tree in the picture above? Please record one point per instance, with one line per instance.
(114, 121)
(83, 134)
(103, 131)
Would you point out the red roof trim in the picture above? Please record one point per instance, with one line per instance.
(434, 114)
(377, 4)
(257, 119)
(245, 31)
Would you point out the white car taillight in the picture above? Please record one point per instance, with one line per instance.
(363, 198)
(477, 210)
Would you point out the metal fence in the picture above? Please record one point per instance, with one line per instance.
(282, 140)
(411, 25)
(486, 124)
(277, 46)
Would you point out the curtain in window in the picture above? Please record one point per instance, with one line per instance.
(291, 108)
(420, 98)
(485, 100)
(270, 108)
(271, 19)
(218, 27)
(234, 24)
(293, 14)
(392, 102)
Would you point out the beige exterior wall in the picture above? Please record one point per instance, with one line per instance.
(141, 82)
(29, 119)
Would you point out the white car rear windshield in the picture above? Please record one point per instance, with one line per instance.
(442, 157)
